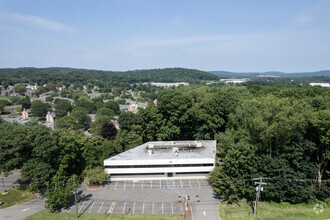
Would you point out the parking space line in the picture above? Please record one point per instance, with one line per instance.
(100, 207)
(160, 184)
(91, 207)
(133, 185)
(125, 184)
(81, 206)
(143, 208)
(162, 209)
(116, 184)
(133, 207)
(189, 183)
(172, 207)
(124, 207)
(151, 183)
(106, 186)
(199, 184)
(70, 209)
(181, 183)
(153, 207)
(142, 183)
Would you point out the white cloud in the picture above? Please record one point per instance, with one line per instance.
(303, 20)
(36, 21)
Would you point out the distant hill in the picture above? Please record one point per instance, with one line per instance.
(111, 78)
(224, 74)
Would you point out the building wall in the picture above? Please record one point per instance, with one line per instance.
(199, 167)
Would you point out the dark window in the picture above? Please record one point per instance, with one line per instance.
(158, 166)
(135, 174)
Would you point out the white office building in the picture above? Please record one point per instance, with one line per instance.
(164, 159)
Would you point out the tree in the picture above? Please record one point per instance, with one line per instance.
(114, 106)
(223, 185)
(176, 123)
(97, 125)
(37, 172)
(62, 107)
(15, 148)
(71, 158)
(20, 88)
(66, 123)
(104, 112)
(49, 99)
(41, 90)
(5, 84)
(95, 176)
(127, 119)
(82, 118)
(86, 103)
(25, 102)
(108, 131)
(59, 190)
(93, 151)
(39, 109)
(4, 103)
(319, 133)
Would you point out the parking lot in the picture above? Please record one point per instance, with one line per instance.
(125, 207)
(158, 184)
(144, 196)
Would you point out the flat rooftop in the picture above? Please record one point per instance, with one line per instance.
(155, 150)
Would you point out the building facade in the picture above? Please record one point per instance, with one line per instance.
(164, 159)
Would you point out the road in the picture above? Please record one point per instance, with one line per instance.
(205, 210)
(23, 210)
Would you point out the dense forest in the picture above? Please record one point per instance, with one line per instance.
(273, 73)
(281, 134)
(101, 79)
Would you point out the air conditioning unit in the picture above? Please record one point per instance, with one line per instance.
(199, 144)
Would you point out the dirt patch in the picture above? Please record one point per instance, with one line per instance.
(94, 187)
(186, 211)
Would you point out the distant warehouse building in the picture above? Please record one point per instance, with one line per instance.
(163, 159)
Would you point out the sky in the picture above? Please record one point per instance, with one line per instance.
(238, 36)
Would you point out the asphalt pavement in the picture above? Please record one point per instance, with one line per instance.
(150, 196)
(22, 211)
(205, 210)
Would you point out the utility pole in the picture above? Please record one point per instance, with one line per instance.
(75, 194)
(259, 189)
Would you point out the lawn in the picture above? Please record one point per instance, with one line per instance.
(91, 216)
(16, 196)
(272, 211)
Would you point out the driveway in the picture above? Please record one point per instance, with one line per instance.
(205, 210)
(22, 211)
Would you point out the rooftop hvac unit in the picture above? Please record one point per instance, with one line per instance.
(151, 146)
(199, 144)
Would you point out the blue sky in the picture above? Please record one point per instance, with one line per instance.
(240, 36)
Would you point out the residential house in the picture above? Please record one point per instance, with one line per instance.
(50, 117)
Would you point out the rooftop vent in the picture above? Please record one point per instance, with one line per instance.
(199, 144)
(151, 146)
